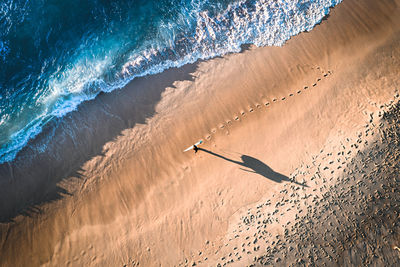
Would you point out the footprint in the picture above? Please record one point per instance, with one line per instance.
(228, 121)
(266, 103)
(242, 112)
(274, 99)
(283, 98)
(208, 137)
(258, 105)
(221, 126)
(305, 87)
(319, 79)
(236, 118)
(299, 91)
(314, 84)
(291, 94)
(251, 110)
(213, 130)
(326, 74)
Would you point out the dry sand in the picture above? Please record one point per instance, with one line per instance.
(299, 164)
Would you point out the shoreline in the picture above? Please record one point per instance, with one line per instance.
(70, 133)
(262, 39)
(130, 193)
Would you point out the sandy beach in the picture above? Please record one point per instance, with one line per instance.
(299, 164)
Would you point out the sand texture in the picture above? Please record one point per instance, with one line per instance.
(299, 164)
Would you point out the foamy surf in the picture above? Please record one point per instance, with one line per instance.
(105, 60)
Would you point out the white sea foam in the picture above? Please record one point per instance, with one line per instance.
(261, 22)
(80, 82)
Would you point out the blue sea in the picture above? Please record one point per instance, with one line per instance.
(56, 54)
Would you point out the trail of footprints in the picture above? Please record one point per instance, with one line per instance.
(349, 214)
(238, 252)
(242, 113)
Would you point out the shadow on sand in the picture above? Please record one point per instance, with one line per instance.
(66, 143)
(34, 177)
(256, 166)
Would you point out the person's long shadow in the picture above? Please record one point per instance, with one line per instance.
(256, 166)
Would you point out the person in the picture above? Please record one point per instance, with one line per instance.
(195, 148)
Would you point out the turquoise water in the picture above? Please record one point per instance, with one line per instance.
(56, 54)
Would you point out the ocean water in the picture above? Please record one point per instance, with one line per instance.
(56, 54)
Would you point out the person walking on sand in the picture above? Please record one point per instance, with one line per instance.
(194, 147)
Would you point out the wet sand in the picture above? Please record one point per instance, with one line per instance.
(298, 165)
